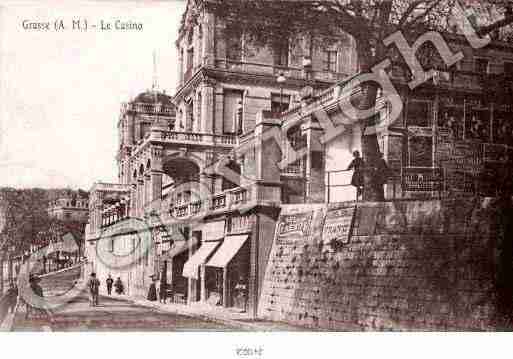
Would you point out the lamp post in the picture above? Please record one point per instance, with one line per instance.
(281, 79)
(11, 251)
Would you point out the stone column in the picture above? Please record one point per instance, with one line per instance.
(315, 162)
(207, 107)
(193, 283)
(155, 189)
(203, 288)
(208, 39)
(98, 209)
(267, 157)
(156, 177)
(140, 196)
(133, 200)
(225, 287)
(147, 191)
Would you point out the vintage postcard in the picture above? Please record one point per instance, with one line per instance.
(250, 166)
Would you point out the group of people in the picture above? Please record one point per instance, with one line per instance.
(377, 171)
(94, 287)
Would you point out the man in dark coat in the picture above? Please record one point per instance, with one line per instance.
(163, 291)
(357, 179)
(94, 289)
(109, 283)
(11, 297)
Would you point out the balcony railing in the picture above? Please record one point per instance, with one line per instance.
(274, 70)
(193, 137)
(151, 108)
(221, 201)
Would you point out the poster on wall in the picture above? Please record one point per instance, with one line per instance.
(338, 226)
(294, 227)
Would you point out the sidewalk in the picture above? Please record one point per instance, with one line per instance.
(228, 316)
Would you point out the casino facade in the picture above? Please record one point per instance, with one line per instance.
(207, 171)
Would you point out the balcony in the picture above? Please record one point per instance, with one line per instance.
(218, 203)
(186, 138)
(290, 72)
(193, 138)
(151, 108)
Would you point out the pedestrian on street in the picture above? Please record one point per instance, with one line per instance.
(109, 282)
(94, 289)
(119, 286)
(242, 294)
(12, 297)
(152, 291)
(357, 179)
(163, 291)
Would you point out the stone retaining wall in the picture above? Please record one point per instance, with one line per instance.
(411, 265)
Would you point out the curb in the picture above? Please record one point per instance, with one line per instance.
(211, 318)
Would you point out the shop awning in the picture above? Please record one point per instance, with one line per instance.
(227, 251)
(178, 248)
(190, 268)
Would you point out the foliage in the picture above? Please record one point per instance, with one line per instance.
(26, 221)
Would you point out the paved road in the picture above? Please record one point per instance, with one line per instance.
(113, 314)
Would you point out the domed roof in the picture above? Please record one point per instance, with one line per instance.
(149, 97)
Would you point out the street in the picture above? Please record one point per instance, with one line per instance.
(112, 314)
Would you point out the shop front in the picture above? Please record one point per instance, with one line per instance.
(228, 272)
(194, 269)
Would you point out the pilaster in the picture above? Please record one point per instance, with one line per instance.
(315, 162)
(207, 107)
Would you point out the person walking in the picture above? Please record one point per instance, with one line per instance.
(357, 179)
(152, 291)
(94, 288)
(11, 297)
(119, 286)
(109, 283)
(163, 291)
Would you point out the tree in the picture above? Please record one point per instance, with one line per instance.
(369, 22)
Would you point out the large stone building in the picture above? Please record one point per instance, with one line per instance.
(207, 176)
(71, 207)
(167, 159)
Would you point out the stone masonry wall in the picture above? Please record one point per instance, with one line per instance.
(411, 265)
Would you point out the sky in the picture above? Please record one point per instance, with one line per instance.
(61, 89)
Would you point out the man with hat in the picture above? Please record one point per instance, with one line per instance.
(94, 289)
